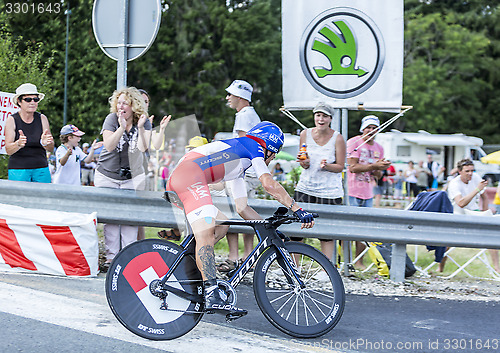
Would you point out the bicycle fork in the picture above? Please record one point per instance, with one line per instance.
(288, 265)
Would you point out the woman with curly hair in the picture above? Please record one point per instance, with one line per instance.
(126, 135)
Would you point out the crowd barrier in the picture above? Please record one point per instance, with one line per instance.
(48, 241)
(147, 208)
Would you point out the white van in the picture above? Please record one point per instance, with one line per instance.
(447, 150)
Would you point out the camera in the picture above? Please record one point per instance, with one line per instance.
(125, 173)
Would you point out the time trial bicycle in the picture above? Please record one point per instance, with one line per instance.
(155, 289)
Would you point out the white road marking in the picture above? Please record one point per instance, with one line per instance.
(97, 319)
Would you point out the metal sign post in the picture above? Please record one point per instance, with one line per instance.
(121, 69)
(125, 30)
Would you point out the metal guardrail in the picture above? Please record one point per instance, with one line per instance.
(336, 222)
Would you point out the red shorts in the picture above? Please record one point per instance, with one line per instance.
(189, 181)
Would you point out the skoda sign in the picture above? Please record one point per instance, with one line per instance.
(342, 52)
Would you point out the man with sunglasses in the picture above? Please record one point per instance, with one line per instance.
(28, 137)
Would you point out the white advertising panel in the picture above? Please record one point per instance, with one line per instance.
(344, 53)
(6, 109)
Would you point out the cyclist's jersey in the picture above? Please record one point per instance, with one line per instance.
(228, 159)
(224, 160)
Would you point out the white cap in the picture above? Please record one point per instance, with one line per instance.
(242, 89)
(323, 108)
(26, 89)
(369, 120)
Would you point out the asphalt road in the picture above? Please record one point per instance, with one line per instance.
(54, 314)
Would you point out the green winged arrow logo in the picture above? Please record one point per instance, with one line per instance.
(341, 53)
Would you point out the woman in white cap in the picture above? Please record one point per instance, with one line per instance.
(126, 134)
(321, 180)
(28, 137)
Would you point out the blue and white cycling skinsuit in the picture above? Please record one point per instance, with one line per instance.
(224, 160)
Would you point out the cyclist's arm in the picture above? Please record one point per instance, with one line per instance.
(277, 191)
(245, 211)
(271, 186)
(239, 192)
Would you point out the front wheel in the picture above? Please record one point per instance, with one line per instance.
(128, 290)
(300, 312)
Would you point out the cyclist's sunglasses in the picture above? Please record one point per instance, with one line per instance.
(29, 99)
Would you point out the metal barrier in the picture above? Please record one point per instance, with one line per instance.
(147, 208)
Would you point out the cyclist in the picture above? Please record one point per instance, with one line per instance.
(227, 160)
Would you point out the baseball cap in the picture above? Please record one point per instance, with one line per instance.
(323, 108)
(369, 120)
(197, 141)
(71, 129)
(242, 89)
(86, 144)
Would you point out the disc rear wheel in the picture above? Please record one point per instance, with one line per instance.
(130, 283)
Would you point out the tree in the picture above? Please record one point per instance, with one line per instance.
(91, 76)
(441, 74)
(201, 47)
(480, 18)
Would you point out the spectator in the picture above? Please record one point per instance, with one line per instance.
(165, 172)
(277, 172)
(239, 97)
(321, 180)
(69, 156)
(433, 170)
(149, 178)
(464, 192)
(158, 136)
(88, 169)
(496, 200)
(126, 134)
(422, 178)
(365, 159)
(52, 164)
(398, 185)
(411, 180)
(28, 137)
(380, 188)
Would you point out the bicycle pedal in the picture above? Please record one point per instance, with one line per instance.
(233, 316)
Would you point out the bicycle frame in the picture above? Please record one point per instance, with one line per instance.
(267, 236)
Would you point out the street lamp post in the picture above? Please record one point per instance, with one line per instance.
(67, 12)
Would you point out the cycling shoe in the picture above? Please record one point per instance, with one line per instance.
(216, 302)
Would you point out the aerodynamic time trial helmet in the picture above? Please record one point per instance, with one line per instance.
(268, 134)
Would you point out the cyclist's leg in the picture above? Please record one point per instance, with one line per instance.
(221, 230)
(192, 189)
(204, 233)
(216, 299)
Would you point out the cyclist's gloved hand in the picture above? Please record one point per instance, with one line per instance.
(304, 216)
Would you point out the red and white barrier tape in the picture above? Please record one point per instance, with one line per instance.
(59, 243)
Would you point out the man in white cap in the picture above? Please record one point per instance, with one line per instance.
(239, 96)
(365, 160)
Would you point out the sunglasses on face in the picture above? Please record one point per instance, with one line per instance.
(29, 99)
